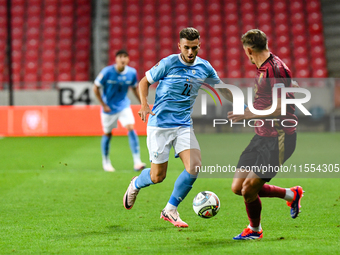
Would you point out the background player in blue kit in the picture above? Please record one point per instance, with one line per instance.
(170, 123)
(115, 81)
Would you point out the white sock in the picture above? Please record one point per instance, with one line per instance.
(289, 195)
(170, 207)
(136, 158)
(106, 159)
(134, 184)
(257, 229)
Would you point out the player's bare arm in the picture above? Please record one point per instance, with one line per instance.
(143, 92)
(226, 94)
(96, 91)
(136, 93)
(249, 115)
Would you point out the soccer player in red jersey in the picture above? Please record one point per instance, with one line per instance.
(273, 143)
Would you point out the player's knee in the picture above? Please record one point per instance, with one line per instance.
(129, 127)
(248, 193)
(236, 188)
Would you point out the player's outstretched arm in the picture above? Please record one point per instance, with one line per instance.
(96, 91)
(143, 93)
(249, 115)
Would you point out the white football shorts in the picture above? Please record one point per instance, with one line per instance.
(160, 141)
(109, 121)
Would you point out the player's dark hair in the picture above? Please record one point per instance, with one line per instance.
(255, 39)
(189, 33)
(122, 52)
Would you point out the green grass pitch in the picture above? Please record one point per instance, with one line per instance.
(56, 199)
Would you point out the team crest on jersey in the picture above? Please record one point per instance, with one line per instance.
(156, 65)
(193, 72)
(155, 154)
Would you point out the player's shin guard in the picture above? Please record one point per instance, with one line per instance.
(105, 144)
(254, 212)
(144, 179)
(182, 187)
(134, 146)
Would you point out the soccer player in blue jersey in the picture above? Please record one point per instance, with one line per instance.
(115, 80)
(170, 123)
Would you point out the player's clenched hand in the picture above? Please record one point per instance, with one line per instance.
(106, 108)
(144, 111)
(235, 118)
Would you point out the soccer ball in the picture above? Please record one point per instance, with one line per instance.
(206, 204)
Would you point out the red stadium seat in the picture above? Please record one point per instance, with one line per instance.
(283, 52)
(83, 32)
(300, 40)
(84, 9)
(17, 22)
(314, 17)
(134, 54)
(165, 20)
(216, 53)
(301, 63)
(149, 54)
(32, 44)
(150, 43)
(47, 77)
(313, 6)
(32, 33)
(32, 55)
(198, 19)
(118, 31)
(116, 44)
(215, 42)
(318, 51)
(282, 40)
(166, 43)
(149, 31)
(320, 73)
(82, 76)
(248, 18)
(16, 67)
(298, 29)
(83, 44)
(82, 55)
(117, 21)
(66, 32)
(165, 9)
(299, 52)
(117, 9)
(131, 32)
(264, 19)
(298, 18)
(17, 44)
(182, 20)
(33, 10)
(167, 32)
(280, 6)
(281, 19)
(48, 67)
(66, 21)
(263, 8)
(65, 44)
(17, 10)
(31, 67)
(287, 61)
(234, 73)
(198, 8)
(50, 22)
(215, 20)
(65, 55)
(296, 6)
(267, 29)
(247, 7)
(33, 22)
(231, 19)
(232, 30)
(182, 9)
(165, 52)
(64, 77)
(64, 66)
(234, 52)
(215, 31)
(132, 43)
(48, 56)
(318, 63)
(50, 33)
(17, 33)
(315, 29)
(250, 74)
(149, 9)
(51, 10)
(232, 41)
(214, 9)
(16, 55)
(303, 73)
(316, 40)
(149, 20)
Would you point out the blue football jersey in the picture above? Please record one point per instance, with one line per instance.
(177, 90)
(115, 86)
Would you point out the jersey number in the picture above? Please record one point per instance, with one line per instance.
(187, 89)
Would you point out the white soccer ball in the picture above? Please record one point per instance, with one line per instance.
(206, 204)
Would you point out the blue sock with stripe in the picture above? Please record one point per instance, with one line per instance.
(182, 187)
(144, 179)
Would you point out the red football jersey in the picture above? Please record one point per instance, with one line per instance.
(273, 73)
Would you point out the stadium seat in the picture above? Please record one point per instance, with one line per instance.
(48, 67)
(314, 17)
(149, 9)
(17, 10)
(298, 18)
(300, 40)
(214, 9)
(302, 73)
(182, 20)
(117, 9)
(301, 63)
(320, 73)
(117, 21)
(32, 55)
(64, 77)
(64, 66)
(232, 30)
(315, 29)
(165, 20)
(215, 42)
(316, 40)
(247, 7)
(17, 22)
(296, 6)
(287, 61)
(33, 22)
(318, 51)
(33, 10)
(65, 44)
(17, 44)
(16, 56)
(50, 33)
(231, 19)
(117, 32)
(233, 41)
(149, 20)
(82, 55)
(165, 9)
(283, 52)
(49, 55)
(264, 19)
(66, 32)
(198, 8)
(282, 40)
(32, 33)
(216, 53)
(132, 43)
(32, 44)
(299, 52)
(131, 32)
(50, 22)
(215, 31)
(149, 32)
(298, 29)
(166, 52)
(313, 6)
(84, 76)
(280, 6)
(66, 21)
(182, 9)
(263, 7)
(318, 63)
(17, 33)
(51, 10)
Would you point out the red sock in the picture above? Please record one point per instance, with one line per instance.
(254, 212)
(272, 191)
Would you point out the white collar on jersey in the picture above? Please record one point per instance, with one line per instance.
(124, 71)
(185, 63)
